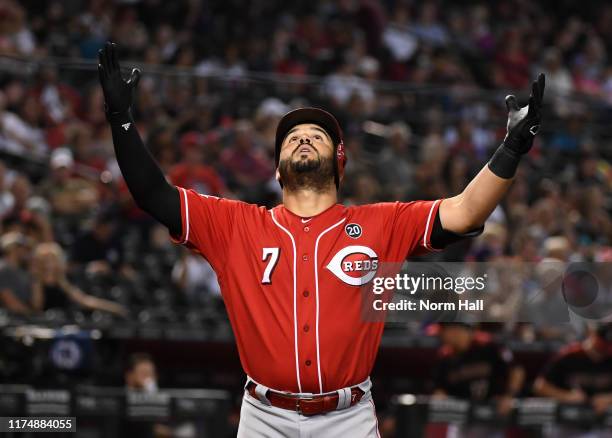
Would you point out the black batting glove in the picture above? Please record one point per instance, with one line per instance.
(523, 125)
(118, 93)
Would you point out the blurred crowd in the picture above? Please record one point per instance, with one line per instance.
(417, 86)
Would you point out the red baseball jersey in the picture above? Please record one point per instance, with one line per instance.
(291, 285)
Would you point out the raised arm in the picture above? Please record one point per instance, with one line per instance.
(91, 302)
(144, 178)
(471, 208)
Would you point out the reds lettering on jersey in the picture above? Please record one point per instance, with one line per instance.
(291, 285)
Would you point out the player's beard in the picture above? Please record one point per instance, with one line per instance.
(313, 174)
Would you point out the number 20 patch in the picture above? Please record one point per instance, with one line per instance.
(353, 230)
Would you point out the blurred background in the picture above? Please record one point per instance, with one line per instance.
(94, 298)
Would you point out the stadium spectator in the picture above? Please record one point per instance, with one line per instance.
(429, 27)
(141, 376)
(558, 78)
(15, 36)
(400, 41)
(366, 190)
(141, 373)
(267, 116)
(395, 163)
(23, 131)
(196, 278)
(546, 307)
(71, 196)
(511, 62)
(191, 172)
(88, 151)
(52, 290)
(344, 84)
(15, 286)
(21, 190)
(245, 159)
(490, 245)
(100, 249)
(6, 198)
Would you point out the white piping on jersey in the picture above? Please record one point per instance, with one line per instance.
(427, 226)
(186, 216)
(297, 363)
(316, 268)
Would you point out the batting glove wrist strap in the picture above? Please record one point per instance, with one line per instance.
(504, 162)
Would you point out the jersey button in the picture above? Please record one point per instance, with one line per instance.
(305, 257)
(307, 229)
(306, 327)
(308, 362)
(306, 293)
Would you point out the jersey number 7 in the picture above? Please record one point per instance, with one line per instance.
(272, 254)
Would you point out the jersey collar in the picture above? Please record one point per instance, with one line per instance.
(322, 220)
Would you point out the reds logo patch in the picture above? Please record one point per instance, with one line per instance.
(355, 265)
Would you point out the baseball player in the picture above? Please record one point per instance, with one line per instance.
(290, 276)
(581, 373)
(471, 366)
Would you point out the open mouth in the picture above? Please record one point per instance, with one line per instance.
(303, 149)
